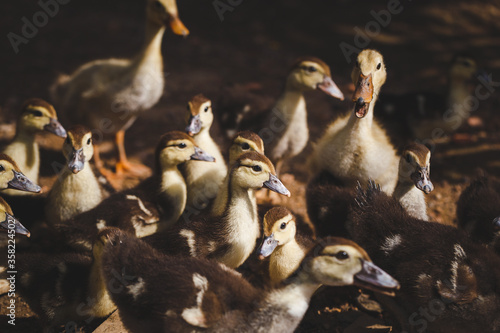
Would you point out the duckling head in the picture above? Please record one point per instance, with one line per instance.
(368, 76)
(279, 229)
(254, 170)
(463, 68)
(108, 236)
(310, 73)
(336, 261)
(244, 142)
(78, 148)
(9, 222)
(12, 177)
(38, 116)
(200, 116)
(176, 147)
(415, 167)
(162, 12)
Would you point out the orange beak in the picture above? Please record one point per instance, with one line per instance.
(178, 27)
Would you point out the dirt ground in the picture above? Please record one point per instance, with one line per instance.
(254, 44)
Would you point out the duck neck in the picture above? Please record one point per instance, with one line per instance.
(150, 57)
(291, 105)
(285, 260)
(24, 150)
(172, 193)
(457, 91)
(412, 199)
(102, 305)
(361, 127)
(220, 203)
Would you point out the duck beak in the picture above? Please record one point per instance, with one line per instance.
(274, 184)
(482, 73)
(267, 247)
(55, 127)
(363, 95)
(76, 161)
(200, 155)
(177, 26)
(11, 223)
(422, 181)
(329, 87)
(194, 125)
(374, 278)
(496, 223)
(22, 183)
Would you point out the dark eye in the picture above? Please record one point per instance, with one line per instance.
(245, 146)
(408, 158)
(283, 226)
(182, 145)
(311, 69)
(89, 141)
(342, 255)
(379, 65)
(157, 5)
(2, 169)
(256, 168)
(36, 113)
(206, 108)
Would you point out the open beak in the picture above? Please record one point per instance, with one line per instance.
(274, 184)
(76, 161)
(55, 127)
(200, 155)
(363, 95)
(329, 87)
(268, 246)
(22, 183)
(422, 181)
(374, 278)
(194, 125)
(496, 223)
(177, 26)
(11, 223)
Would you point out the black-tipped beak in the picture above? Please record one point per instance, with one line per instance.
(22, 183)
(76, 161)
(55, 127)
(194, 125)
(200, 155)
(267, 247)
(374, 278)
(423, 183)
(11, 223)
(496, 223)
(329, 87)
(274, 184)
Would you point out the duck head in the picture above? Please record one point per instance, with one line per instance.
(9, 222)
(463, 68)
(368, 76)
(39, 116)
(200, 116)
(310, 73)
(253, 170)
(244, 142)
(11, 177)
(163, 12)
(78, 148)
(279, 229)
(415, 167)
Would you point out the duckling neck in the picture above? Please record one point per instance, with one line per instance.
(99, 296)
(412, 200)
(457, 91)
(172, 193)
(220, 203)
(363, 126)
(150, 57)
(291, 105)
(284, 261)
(24, 150)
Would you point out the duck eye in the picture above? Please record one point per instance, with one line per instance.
(37, 113)
(158, 5)
(379, 65)
(89, 141)
(206, 108)
(256, 168)
(311, 69)
(2, 168)
(182, 145)
(408, 158)
(342, 255)
(245, 146)
(283, 226)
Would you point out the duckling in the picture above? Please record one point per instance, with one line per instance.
(203, 180)
(283, 244)
(355, 147)
(429, 115)
(284, 128)
(77, 189)
(478, 211)
(108, 95)
(449, 283)
(68, 288)
(8, 222)
(171, 294)
(11, 177)
(37, 116)
(229, 233)
(329, 201)
(244, 142)
(139, 210)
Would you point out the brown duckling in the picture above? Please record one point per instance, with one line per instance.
(449, 283)
(76, 189)
(230, 231)
(37, 116)
(183, 294)
(140, 210)
(478, 211)
(108, 95)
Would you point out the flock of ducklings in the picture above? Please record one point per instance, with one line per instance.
(177, 252)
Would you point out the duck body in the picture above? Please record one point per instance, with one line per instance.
(438, 266)
(190, 294)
